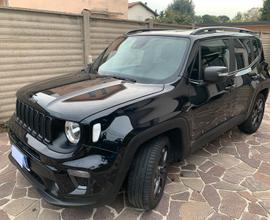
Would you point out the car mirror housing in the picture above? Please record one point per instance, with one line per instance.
(215, 73)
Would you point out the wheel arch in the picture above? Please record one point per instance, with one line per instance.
(177, 130)
(265, 92)
(264, 89)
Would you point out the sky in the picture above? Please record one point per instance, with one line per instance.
(212, 7)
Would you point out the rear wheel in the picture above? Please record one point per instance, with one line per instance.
(148, 175)
(254, 121)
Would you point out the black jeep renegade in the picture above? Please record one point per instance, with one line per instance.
(151, 98)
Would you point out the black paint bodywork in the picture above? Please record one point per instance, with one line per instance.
(191, 112)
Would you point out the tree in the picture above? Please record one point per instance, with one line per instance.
(198, 19)
(185, 7)
(266, 11)
(210, 19)
(180, 11)
(224, 19)
(238, 18)
(254, 14)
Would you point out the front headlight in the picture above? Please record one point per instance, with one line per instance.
(73, 132)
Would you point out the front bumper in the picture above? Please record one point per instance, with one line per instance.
(62, 183)
(54, 199)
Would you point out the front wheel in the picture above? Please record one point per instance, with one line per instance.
(148, 175)
(254, 121)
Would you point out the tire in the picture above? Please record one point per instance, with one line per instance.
(148, 174)
(252, 124)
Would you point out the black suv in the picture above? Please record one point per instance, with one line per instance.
(151, 98)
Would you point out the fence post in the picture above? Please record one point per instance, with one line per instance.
(86, 36)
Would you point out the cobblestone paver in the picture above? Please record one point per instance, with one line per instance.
(228, 179)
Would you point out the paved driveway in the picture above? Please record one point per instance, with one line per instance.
(228, 179)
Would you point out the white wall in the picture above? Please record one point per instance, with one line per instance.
(139, 13)
(75, 6)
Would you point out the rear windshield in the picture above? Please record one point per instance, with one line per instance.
(146, 59)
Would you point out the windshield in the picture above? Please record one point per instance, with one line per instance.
(146, 59)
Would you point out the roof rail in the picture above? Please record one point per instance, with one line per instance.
(146, 30)
(207, 30)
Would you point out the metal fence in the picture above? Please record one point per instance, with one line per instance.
(36, 45)
(265, 37)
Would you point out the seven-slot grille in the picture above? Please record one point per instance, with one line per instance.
(38, 124)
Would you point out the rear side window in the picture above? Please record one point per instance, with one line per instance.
(248, 45)
(257, 49)
(241, 55)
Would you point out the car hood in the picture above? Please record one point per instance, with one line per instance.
(77, 96)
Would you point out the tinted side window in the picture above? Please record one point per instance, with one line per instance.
(215, 53)
(256, 47)
(248, 45)
(241, 55)
(194, 69)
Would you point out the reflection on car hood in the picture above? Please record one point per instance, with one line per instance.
(75, 97)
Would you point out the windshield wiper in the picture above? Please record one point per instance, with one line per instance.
(124, 78)
(121, 78)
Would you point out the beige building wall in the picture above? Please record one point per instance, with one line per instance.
(3, 2)
(115, 8)
(139, 13)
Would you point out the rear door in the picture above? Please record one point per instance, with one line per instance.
(246, 55)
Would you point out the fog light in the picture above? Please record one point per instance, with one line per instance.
(96, 132)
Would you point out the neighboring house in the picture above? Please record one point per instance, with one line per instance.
(140, 12)
(107, 8)
(3, 3)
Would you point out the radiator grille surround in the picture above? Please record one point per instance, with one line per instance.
(37, 123)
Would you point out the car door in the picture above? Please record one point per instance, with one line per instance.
(211, 102)
(246, 53)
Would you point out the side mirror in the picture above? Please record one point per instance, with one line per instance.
(215, 73)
